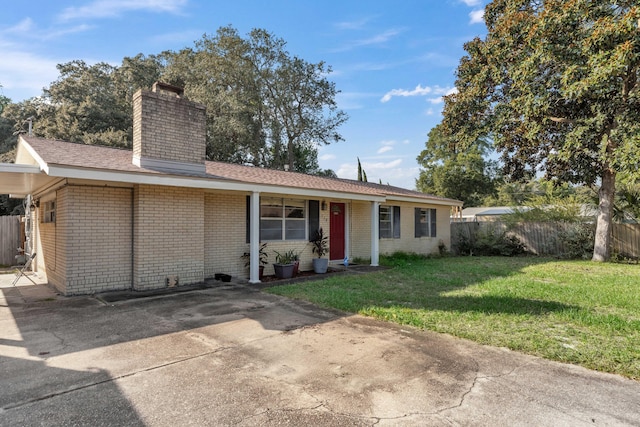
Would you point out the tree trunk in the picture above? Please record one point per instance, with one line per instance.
(604, 221)
(291, 154)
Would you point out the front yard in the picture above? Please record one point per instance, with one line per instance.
(571, 311)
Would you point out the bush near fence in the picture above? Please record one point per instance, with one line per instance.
(549, 238)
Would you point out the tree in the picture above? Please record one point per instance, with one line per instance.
(264, 106)
(362, 175)
(555, 85)
(90, 104)
(448, 171)
(7, 139)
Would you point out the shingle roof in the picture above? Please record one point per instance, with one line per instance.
(93, 157)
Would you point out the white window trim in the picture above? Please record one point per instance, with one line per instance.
(284, 220)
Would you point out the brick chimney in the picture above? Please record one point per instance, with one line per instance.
(169, 132)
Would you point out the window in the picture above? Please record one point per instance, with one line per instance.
(49, 211)
(389, 222)
(425, 222)
(282, 219)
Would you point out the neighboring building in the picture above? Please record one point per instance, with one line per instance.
(586, 213)
(482, 214)
(111, 219)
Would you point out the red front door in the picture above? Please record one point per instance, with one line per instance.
(336, 232)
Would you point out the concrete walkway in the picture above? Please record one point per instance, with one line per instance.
(231, 355)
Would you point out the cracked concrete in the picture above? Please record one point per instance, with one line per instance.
(234, 356)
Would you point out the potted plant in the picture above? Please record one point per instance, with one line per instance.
(283, 267)
(296, 262)
(263, 256)
(320, 246)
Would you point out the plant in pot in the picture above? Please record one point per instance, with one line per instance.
(285, 262)
(296, 262)
(263, 256)
(320, 246)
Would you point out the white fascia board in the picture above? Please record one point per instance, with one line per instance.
(34, 155)
(19, 168)
(195, 182)
(424, 201)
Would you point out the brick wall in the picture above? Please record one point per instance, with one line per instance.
(168, 236)
(168, 128)
(361, 231)
(97, 226)
(51, 240)
(225, 234)
(421, 245)
(360, 225)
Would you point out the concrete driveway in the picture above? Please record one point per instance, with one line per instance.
(231, 355)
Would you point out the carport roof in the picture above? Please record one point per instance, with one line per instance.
(70, 160)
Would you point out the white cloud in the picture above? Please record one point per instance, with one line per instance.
(24, 75)
(376, 39)
(326, 157)
(472, 3)
(476, 17)
(353, 25)
(112, 8)
(393, 172)
(21, 27)
(429, 112)
(384, 149)
(418, 91)
(352, 100)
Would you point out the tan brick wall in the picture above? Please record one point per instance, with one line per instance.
(97, 226)
(225, 233)
(168, 236)
(360, 224)
(407, 241)
(361, 229)
(51, 241)
(168, 128)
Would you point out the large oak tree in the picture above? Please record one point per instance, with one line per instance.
(555, 85)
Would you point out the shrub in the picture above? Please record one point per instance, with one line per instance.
(489, 241)
(577, 241)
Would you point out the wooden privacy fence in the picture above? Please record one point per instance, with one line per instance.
(10, 238)
(542, 238)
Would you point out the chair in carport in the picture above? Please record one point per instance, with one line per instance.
(23, 270)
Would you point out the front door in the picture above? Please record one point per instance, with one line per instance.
(336, 232)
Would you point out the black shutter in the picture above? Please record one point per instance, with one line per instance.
(248, 216)
(433, 222)
(396, 222)
(314, 217)
(416, 222)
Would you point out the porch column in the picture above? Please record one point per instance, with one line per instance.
(254, 238)
(375, 233)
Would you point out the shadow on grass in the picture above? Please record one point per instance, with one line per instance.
(489, 304)
(422, 284)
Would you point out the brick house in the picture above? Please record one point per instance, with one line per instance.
(112, 219)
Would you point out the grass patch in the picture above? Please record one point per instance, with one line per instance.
(571, 311)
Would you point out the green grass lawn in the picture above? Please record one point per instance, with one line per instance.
(571, 311)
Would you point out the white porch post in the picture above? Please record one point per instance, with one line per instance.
(254, 238)
(375, 234)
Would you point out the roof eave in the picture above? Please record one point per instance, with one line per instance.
(63, 171)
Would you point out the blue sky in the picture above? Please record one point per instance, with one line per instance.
(392, 60)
